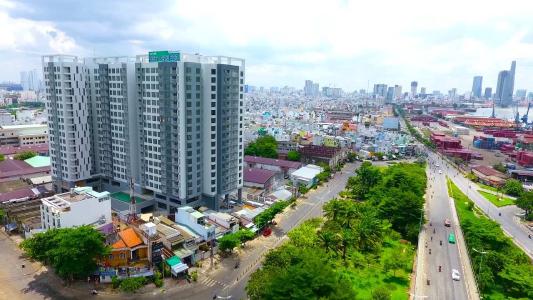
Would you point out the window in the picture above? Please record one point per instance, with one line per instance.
(122, 256)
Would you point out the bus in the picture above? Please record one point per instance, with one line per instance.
(451, 238)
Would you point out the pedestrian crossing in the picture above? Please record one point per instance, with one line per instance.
(210, 281)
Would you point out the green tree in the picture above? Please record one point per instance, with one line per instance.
(525, 202)
(2, 157)
(293, 155)
(228, 242)
(500, 167)
(73, 252)
(264, 146)
(245, 235)
(305, 275)
(132, 284)
(513, 187)
(25, 155)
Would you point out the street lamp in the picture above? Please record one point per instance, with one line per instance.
(480, 262)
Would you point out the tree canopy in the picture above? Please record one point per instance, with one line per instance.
(293, 155)
(264, 146)
(525, 202)
(25, 155)
(513, 187)
(354, 250)
(73, 252)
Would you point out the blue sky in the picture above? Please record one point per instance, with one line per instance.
(348, 44)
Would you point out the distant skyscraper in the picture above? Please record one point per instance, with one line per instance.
(476, 86)
(380, 90)
(423, 90)
(30, 80)
(488, 93)
(521, 94)
(311, 89)
(505, 87)
(390, 95)
(452, 93)
(397, 91)
(414, 87)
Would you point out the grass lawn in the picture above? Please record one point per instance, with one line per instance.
(487, 187)
(494, 199)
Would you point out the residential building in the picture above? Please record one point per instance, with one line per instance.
(169, 121)
(284, 167)
(259, 178)
(329, 155)
(476, 86)
(80, 206)
(306, 176)
(6, 118)
(127, 249)
(22, 135)
(195, 221)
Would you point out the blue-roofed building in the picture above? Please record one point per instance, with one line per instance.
(391, 123)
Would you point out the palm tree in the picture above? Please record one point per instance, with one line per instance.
(328, 240)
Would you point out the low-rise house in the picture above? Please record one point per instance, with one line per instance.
(259, 178)
(306, 175)
(329, 155)
(196, 221)
(80, 206)
(128, 257)
(285, 167)
(489, 176)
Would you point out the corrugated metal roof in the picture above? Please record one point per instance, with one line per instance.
(256, 175)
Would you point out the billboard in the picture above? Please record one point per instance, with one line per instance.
(163, 56)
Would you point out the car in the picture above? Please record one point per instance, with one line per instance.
(451, 238)
(447, 223)
(456, 275)
(440, 171)
(437, 165)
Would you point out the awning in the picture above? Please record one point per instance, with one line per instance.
(176, 269)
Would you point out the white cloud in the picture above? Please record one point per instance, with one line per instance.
(442, 44)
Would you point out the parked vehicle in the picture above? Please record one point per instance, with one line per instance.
(447, 223)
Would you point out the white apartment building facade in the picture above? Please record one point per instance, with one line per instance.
(170, 121)
(81, 206)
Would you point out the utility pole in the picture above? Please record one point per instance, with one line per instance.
(479, 266)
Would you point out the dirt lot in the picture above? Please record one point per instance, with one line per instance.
(12, 185)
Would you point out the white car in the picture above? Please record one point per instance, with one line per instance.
(456, 275)
(440, 171)
(437, 165)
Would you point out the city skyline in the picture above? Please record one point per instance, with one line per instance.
(440, 47)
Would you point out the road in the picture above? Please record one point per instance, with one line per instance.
(505, 216)
(436, 254)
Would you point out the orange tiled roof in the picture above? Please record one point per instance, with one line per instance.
(129, 238)
(119, 245)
